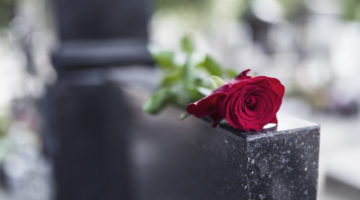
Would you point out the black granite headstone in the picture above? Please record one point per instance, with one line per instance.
(102, 150)
(101, 19)
(88, 138)
(100, 33)
(107, 148)
(191, 160)
(87, 118)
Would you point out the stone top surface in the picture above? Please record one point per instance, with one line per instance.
(286, 124)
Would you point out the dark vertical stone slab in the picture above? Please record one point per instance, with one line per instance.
(101, 19)
(100, 33)
(105, 147)
(89, 131)
(283, 165)
(190, 160)
(87, 116)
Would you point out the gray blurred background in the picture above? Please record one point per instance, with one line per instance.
(312, 46)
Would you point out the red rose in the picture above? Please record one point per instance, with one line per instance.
(246, 103)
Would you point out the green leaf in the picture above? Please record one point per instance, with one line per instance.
(189, 79)
(183, 116)
(165, 59)
(158, 101)
(231, 73)
(171, 78)
(4, 125)
(211, 66)
(187, 82)
(183, 98)
(216, 81)
(204, 91)
(187, 45)
(188, 74)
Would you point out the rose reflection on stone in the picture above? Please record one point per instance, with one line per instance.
(247, 103)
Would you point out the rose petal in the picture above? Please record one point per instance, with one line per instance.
(207, 105)
(216, 118)
(243, 75)
(246, 103)
(274, 120)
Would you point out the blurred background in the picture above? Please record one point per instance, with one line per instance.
(312, 46)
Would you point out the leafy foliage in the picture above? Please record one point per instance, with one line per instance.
(7, 8)
(187, 81)
(172, 5)
(350, 10)
(3, 126)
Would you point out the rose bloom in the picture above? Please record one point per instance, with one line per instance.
(246, 103)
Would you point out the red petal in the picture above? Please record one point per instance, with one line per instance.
(274, 120)
(243, 75)
(278, 87)
(216, 118)
(206, 106)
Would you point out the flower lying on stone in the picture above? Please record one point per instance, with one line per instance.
(247, 103)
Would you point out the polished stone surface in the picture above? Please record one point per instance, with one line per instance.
(100, 33)
(87, 140)
(190, 160)
(109, 148)
(283, 164)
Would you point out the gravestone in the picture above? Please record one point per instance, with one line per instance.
(160, 157)
(104, 147)
(191, 160)
(100, 33)
(89, 139)
(79, 20)
(86, 115)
